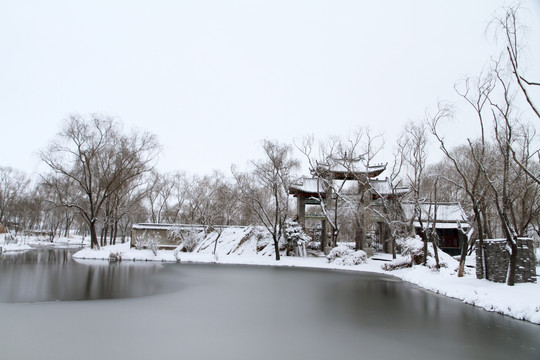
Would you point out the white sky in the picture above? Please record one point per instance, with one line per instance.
(214, 78)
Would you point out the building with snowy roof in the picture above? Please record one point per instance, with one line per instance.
(448, 218)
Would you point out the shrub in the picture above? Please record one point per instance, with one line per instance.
(146, 242)
(296, 238)
(188, 238)
(115, 256)
(190, 242)
(343, 255)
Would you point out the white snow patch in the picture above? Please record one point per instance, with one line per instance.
(12, 244)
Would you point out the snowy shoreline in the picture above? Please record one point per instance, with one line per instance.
(521, 301)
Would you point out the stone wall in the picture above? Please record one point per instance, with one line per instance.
(497, 259)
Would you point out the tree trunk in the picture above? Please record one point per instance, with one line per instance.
(276, 246)
(435, 244)
(215, 242)
(424, 237)
(93, 235)
(66, 229)
(115, 233)
(360, 237)
(510, 281)
(463, 257)
(101, 236)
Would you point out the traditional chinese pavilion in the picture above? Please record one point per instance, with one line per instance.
(350, 175)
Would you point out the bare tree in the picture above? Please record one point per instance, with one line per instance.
(265, 190)
(27, 210)
(503, 130)
(325, 184)
(13, 183)
(390, 210)
(477, 97)
(159, 194)
(415, 159)
(97, 159)
(524, 191)
(512, 30)
(178, 197)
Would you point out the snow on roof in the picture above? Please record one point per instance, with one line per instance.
(308, 185)
(161, 226)
(439, 225)
(385, 187)
(165, 226)
(350, 166)
(315, 186)
(354, 168)
(447, 212)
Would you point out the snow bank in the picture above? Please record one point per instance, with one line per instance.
(12, 244)
(124, 252)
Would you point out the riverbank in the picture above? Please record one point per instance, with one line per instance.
(521, 301)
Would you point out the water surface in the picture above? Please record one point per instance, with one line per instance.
(198, 311)
(52, 275)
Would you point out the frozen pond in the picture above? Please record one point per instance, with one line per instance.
(192, 311)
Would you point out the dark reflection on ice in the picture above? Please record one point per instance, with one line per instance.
(52, 275)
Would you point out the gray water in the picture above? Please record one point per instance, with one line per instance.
(194, 311)
(52, 275)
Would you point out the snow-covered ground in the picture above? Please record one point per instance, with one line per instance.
(12, 244)
(521, 301)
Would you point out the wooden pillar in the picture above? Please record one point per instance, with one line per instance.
(324, 239)
(301, 210)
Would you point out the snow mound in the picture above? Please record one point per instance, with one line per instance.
(343, 255)
(412, 253)
(14, 247)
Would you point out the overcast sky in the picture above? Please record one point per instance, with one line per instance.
(212, 79)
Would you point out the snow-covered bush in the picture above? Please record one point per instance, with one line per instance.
(412, 248)
(144, 241)
(175, 233)
(314, 245)
(296, 239)
(188, 238)
(115, 256)
(191, 240)
(344, 255)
